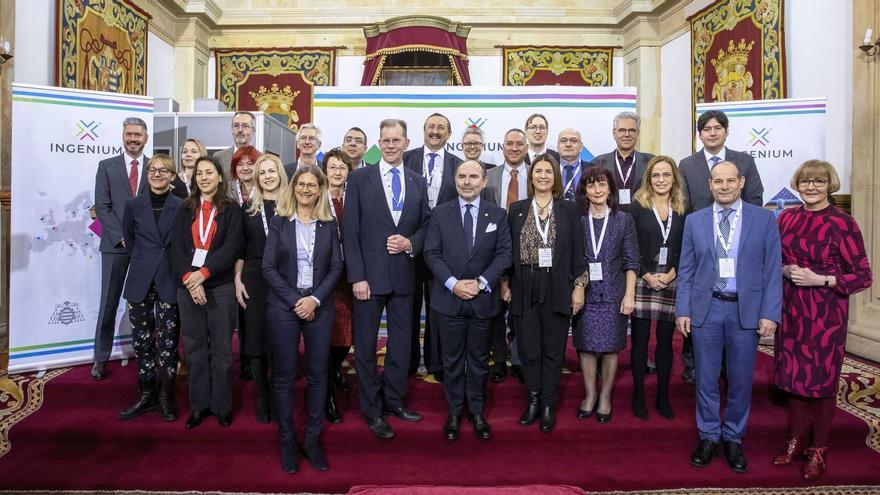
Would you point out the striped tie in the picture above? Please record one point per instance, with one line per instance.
(720, 252)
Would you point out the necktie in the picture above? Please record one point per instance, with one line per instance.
(512, 188)
(468, 227)
(133, 177)
(396, 203)
(714, 160)
(720, 252)
(431, 164)
(569, 171)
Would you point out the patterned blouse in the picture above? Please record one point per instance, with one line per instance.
(530, 240)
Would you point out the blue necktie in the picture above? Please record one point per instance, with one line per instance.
(569, 172)
(724, 228)
(396, 203)
(468, 227)
(431, 164)
(714, 160)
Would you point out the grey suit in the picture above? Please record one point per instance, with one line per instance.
(493, 191)
(112, 190)
(640, 163)
(225, 159)
(695, 172)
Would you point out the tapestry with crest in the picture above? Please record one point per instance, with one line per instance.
(101, 45)
(738, 51)
(557, 65)
(277, 81)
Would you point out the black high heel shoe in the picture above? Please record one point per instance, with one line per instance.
(583, 414)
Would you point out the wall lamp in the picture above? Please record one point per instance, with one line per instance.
(869, 46)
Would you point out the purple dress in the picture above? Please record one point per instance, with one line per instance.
(601, 327)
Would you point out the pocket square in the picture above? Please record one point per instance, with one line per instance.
(491, 228)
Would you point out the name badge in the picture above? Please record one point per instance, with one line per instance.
(624, 197)
(199, 257)
(726, 268)
(662, 258)
(545, 257)
(595, 272)
(433, 194)
(308, 277)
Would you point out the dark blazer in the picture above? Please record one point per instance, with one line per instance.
(226, 248)
(446, 256)
(225, 158)
(367, 224)
(553, 153)
(179, 188)
(609, 162)
(414, 160)
(758, 267)
(571, 193)
(651, 238)
(280, 267)
(112, 191)
(148, 242)
(695, 172)
(569, 261)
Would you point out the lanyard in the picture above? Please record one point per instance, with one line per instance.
(664, 229)
(545, 232)
(727, 243)
(438, 167)
(238, 190)
(203, 232)
(265, 223)
(620, 169)
(309, 247)
(597, 246)
(573, 177)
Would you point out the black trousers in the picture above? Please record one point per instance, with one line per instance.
(113, 269)
(641, 335)
(430, 349)
(367, 316)
(498, 348)
(285, 329)
(206, 333)
(465, 346)
(155, 329)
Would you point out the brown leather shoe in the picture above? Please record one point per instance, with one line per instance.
(791, 449)
(814, 468)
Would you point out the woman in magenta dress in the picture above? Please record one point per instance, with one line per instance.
(824, 262)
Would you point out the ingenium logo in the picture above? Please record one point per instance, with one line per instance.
(759, 137)
(87, 130)
(476, 123)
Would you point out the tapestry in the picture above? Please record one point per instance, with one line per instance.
(738, 51)
(101, 45)
(20, 396)
(277, 81)
(557, 65)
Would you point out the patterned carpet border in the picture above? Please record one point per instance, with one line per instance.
(813, 490)
(24, 400)
(858, 393)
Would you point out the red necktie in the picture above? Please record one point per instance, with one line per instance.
(133, 177)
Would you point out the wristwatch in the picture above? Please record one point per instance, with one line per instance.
(482, 284)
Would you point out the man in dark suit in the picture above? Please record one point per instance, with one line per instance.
(308, 142)
(437, 166)
(386, 215)
(570, 164)
(729, 295)
(467, 248)
(625, 163)
(354, 144)
(695, 172)
(472, 144)
(118, 179)
(537, 130)
(243, 125)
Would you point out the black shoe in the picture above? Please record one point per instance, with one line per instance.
(244, 370)
(548, 418)
(289, 456)
(651, 368)
(403, 413)
(516, 372)
(196, 418)
(498, 376)
(146, 402)
(166, 400)
(665, 408)
(688, 376)
(481, 426)
(639, 408)
(331, 412)
(225, 419)
(99, 370)
(533, 408)
(338, 381)
(736, 460)
(315, 454)
(584, 414)
(380, 428)
(452, 427)
(704, 453)
(603, 418)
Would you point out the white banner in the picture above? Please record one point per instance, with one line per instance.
(494, 110)
(780, 135)
(58, 137)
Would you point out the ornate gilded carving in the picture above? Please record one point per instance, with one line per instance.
(593, 65)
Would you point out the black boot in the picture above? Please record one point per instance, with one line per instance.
(533, 409)
(337, 356)
(146, 401)
(548, 418)
(331, 412)
(290, 456)
(166, 399)
(260, 370)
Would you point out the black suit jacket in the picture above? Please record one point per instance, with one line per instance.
(695, 172)
(569, 260)
(226, 248)
(148, 242)
(280, 268)
(414, 160)
(112, 191)
(640, 162)
(446, 256)
(367, 224)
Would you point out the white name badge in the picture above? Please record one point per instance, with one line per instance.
(662, 258)
(595, 272)
(433, 194)
(624, 196)
(726, 268)
(545, 257)
(308, 277)
(199, 257)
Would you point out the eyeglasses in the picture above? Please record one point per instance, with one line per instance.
(472, 145)
(533, 127)
(569, 141)
(819, 183)
(355, 140)
(158, 172)
(306, 186)
(626, 131)
(242, 127)
(308, 138)
(393, 142)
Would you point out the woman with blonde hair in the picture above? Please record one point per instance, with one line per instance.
(190, 152)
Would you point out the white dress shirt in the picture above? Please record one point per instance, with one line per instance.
(385, 171)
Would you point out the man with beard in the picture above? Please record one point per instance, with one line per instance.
(242, 133)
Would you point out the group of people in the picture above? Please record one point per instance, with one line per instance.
(507, 260)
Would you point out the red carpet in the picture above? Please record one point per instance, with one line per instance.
(75, 441)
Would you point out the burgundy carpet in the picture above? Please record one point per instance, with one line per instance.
(75, 441)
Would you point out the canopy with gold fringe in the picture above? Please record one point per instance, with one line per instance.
(551, 65)
(277, 81)
(101, 45)
(416, 34)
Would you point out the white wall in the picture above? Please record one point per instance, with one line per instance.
(675, 97)
(34, 46)
(160, 67)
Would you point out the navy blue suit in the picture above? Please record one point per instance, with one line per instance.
(728, 327)
(571, 192)
(414, 160)
(148, 242)
(367, 224)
